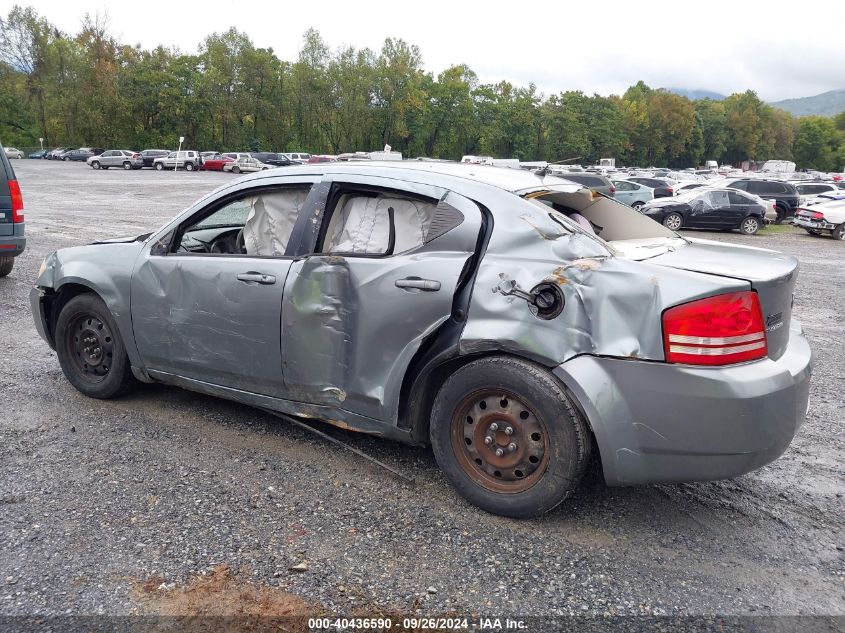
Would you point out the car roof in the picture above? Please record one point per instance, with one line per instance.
(507, 178)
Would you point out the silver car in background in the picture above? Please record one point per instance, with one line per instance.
(632, 193)
(443, 304)
(122, 158)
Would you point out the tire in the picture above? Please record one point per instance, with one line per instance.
(781, 212)
(189, 167)
(87, 339)
(543, 455)
(6, 265)
(95, 164)
(127, 165)
(159, 166)
(65, 159)
(839, 232)
(236, 170)
(749, 225)
(637, 205)
(673, 221)
(813, 232)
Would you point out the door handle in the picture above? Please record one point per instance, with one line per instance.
(259, 278)
(427, 285)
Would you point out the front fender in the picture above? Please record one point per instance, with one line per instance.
(105, 269)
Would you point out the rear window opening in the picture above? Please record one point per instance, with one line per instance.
(628, 232)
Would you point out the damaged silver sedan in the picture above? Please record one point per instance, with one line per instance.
(512, 320)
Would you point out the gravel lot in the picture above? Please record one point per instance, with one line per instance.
(97, 497)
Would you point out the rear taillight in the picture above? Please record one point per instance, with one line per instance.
(17, 201)
(719, 330)
(136, 156)
(612, 189)
(817, 216)
(670, 190)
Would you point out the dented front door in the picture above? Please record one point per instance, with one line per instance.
(351, 325)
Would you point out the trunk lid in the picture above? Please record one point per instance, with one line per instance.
(771, 274)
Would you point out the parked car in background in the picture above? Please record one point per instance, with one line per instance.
(594, 182)
(322, 158)
(39, 154)
(809, 190)
(14, 153)
(12, 240)
(298, 157)
(632, 193)
(245, 165)
(215, 162)
(686, 187)
(149, 155)
(824, 214)
(663, 188)
(272, 158)
(78, 155)
(124, 158)
(189, 160)
(54, 154)
(720, 209)
(589, 335)
(783, 193)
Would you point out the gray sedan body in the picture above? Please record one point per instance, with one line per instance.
(315, 323)
(632, 193)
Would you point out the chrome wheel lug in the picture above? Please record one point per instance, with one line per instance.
(509, 430)
(511, 447)
(499, 452)
(494, 427)
(488, 440)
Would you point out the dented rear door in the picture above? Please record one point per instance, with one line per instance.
(351, 325)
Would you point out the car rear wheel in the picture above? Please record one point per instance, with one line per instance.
(780, 210)
(507, 437)
(673, 221)
(90, 350)
(127, 165)
(839, 232)
(159, 166)
(189, 167)
(6, 265)
(749, 225)
(95, 164)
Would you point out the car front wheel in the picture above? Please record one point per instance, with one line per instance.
(90, 350)
(749, 225)
(95, 165)
(673, 221)
(507, 437)
(159, 166)
(236, 170)
(637, 205)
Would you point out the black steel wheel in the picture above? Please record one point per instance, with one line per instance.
(508, 438)
(90, 350)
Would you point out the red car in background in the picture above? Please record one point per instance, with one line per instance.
(216, 162)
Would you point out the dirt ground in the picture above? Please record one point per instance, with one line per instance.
(142, 504)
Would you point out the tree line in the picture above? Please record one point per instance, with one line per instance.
(89, 89)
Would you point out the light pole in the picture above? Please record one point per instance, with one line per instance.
(41, 140)
(176, 162)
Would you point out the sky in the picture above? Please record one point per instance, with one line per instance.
(778, 49)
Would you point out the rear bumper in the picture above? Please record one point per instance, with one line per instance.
(819, 225)
(656, 422)
(12, 245)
